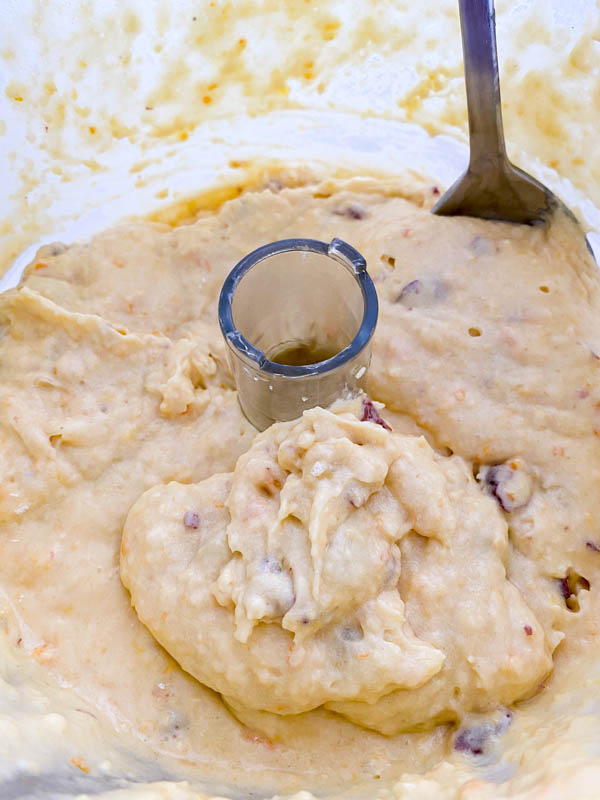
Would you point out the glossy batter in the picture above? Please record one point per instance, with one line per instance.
(480, 501)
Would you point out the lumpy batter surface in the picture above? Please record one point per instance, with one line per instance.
(339, 564)
(330, 571)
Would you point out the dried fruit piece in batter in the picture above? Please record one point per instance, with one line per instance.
(370, 414)
(191, 520)
(428, 290)
(352, 212)
(510, 483)
(475, 739)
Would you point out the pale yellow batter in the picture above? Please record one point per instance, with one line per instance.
(480, 568)
(304, 577)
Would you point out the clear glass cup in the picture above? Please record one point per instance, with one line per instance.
(304, 302)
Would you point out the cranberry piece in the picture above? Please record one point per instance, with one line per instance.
(564, 588)
(472, 740)
(370, 414)
(509, 483)
(191, 520)
(352, 212)
(495, 478)
(427, 290)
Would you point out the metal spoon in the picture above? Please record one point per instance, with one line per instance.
(491, 187)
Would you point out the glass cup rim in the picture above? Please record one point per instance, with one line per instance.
(339, 251)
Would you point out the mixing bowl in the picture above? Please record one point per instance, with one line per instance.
(111, 111)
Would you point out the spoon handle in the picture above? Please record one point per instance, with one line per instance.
(482, 82)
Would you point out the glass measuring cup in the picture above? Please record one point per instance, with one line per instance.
(298, 316)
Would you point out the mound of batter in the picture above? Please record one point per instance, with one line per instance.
(284, 585)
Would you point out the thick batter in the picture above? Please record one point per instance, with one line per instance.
(380, 566)
(441, 572)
